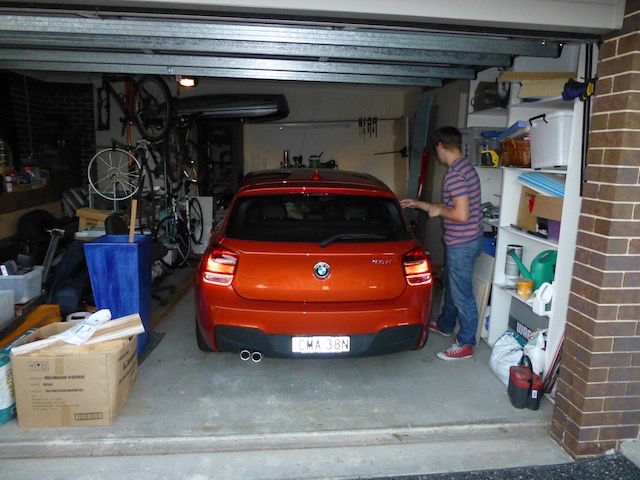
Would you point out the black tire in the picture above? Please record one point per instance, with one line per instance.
(153, 107)
(202, 344)
(196, 226)
(174, 235)
(173, 155)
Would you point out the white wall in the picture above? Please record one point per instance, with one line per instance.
(324, 119)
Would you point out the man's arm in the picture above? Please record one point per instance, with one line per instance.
(459, 213)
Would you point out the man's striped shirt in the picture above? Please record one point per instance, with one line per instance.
(462, 179)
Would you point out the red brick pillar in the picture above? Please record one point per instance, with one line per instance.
(598, 396)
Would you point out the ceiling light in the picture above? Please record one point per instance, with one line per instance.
(187, 82)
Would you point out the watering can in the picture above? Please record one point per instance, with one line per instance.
(542, 269)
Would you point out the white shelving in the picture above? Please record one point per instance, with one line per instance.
(502, 296)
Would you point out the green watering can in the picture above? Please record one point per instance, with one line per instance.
(543, 267)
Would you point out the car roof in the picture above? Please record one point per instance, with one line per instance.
(321, 179)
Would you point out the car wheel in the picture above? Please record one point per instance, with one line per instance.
(202, 344)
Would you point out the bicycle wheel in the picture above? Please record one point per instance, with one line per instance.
(153, 107)
(196, 226)
(146, 201)
(173, 154)
(114, 174)
(174, 235)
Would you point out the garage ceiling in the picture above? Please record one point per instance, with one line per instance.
(82, 40)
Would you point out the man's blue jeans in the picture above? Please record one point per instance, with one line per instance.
(459, 302)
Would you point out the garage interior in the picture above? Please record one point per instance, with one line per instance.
(391, 415)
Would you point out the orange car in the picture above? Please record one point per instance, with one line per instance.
(313, 263)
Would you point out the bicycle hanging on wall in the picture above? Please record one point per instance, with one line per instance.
(146, 103)
(181, 150)
(181, 225)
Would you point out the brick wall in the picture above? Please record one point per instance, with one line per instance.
(55, 125)
(598, 397)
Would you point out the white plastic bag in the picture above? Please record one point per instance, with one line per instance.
(506, 353)
(535, 350)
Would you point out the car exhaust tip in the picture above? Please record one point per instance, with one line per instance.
(245, 355)
(256, 357)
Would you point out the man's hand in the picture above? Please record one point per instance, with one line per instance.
(412, 203)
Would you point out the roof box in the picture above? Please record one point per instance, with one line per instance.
(246, 107)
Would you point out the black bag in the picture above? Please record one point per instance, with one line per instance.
(490, 95)
(71, 284)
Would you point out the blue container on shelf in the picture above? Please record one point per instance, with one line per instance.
(120, 273)
(489, 244)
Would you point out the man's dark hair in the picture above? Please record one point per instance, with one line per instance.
(450, 137)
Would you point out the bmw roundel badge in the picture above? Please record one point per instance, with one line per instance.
(321, 270)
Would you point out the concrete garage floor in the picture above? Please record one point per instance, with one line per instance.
(194, 415)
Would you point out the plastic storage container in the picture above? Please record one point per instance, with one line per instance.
(120, 274)
(550, 136)
(6, 307)
(25, 287)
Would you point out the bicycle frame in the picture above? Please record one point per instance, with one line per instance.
(105, 93)
(146, 103)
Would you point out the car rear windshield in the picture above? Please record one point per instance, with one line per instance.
(316, 218)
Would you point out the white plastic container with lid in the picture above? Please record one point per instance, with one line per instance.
(550, 139)
(6, 307)
(25, 287)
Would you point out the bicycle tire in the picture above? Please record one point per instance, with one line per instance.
(146, 201)
(173, 155)
(196, 226)
(174, 235)
(153, 107)
(191, 160)
(114, 173)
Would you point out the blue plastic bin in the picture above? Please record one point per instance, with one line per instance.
(489, 244)
(120, 275)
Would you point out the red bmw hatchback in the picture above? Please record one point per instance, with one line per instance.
(313, 263)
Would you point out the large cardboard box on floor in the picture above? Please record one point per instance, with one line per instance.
(73, 386)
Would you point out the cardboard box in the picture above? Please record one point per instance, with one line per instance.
(534, 206)
(89, 217)
(547, 207)
(526, 218)
(73, 386)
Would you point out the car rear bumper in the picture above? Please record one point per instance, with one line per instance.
(388, 340)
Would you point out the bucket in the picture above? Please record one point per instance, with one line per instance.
(511, 269)
(120, 274)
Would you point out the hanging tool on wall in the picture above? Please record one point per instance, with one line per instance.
(367, 127)
(404, 152)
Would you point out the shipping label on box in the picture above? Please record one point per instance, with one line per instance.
(73, 386)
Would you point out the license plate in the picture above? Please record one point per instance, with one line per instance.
(321, 344)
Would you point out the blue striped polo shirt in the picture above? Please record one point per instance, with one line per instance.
(462, 179)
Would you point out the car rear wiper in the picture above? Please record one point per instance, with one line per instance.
(350, 236)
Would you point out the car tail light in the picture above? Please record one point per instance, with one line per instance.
(220, 267)
(416, 267)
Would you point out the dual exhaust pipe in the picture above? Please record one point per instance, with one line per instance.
(254, 356)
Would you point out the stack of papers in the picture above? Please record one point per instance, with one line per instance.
(548, 184)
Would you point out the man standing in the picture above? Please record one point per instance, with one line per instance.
(462, 220)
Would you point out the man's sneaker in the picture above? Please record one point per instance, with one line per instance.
(456, 352)
(434, 327)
